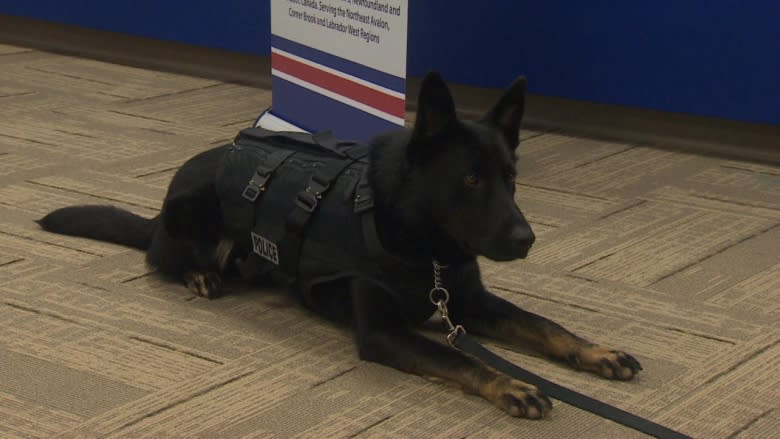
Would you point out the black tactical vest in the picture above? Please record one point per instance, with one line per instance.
(301, 207)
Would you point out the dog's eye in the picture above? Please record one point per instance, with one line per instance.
(471, 180)
(510, 177)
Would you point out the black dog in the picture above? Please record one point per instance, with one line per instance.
(443, 191)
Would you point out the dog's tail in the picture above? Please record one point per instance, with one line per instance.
(104, 223)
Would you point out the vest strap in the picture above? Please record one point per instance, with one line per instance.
(306, 202)
(364, 196)
(370, 234)
(264, 171)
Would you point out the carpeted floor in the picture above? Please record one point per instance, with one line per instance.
(673, 257)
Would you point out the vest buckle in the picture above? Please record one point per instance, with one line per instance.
(307, 200)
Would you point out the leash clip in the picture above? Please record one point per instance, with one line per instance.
(439, 296)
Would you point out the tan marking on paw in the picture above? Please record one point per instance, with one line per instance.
(516, 397)
(608, 363)
(203, 284)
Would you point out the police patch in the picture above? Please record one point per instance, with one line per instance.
(265, 248)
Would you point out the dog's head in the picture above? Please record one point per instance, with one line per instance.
(464, 172)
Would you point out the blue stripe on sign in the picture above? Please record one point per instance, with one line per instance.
(341, 64)
(323, 113)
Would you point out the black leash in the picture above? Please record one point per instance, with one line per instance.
(458, 339)
(470, 346)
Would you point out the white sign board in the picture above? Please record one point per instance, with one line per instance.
(339, 65)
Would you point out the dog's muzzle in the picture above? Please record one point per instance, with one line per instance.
(520, 240)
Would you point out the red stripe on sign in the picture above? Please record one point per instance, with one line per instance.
(358, 92)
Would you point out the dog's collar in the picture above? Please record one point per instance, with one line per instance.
(439, 293)
(437, 268)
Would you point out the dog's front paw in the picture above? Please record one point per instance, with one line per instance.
(612, 364)
(206, 285)
(517, 398)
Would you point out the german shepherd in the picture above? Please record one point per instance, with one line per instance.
(444, 190)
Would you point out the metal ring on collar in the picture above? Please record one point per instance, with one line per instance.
(444, 295)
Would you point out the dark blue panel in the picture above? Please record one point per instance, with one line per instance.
(239, 25)
(717, 58)
(345, 122)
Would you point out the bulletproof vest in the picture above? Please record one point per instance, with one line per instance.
(300, 206)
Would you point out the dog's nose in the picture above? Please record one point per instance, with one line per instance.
(522, 237)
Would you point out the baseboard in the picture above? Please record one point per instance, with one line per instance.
(702, 135)
(224, 65)
(676, 131)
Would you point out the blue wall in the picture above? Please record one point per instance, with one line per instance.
(708, 57)
(716, 58)
(239, 25)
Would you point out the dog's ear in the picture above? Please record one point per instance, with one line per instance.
(435, 107)
(507, 114)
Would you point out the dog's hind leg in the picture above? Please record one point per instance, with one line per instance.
(384, 337)
(205, 284)
(482, 312)
(208, 282)
(188, 244)
(198, 265)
